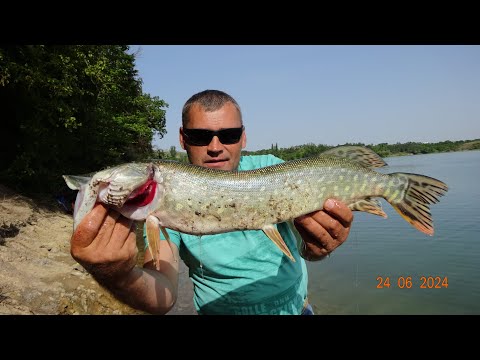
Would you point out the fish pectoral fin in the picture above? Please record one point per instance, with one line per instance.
(167, 237)
(277, 239)
(369, 205)
(86, 196)
(75, 182)
(153, 238)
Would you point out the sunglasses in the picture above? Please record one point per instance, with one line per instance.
(203, 137)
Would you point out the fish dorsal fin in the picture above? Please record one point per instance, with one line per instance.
(277, 239)
(359, 154)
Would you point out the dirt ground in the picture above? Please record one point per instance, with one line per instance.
(38, 274)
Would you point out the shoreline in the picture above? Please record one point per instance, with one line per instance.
(38, 276)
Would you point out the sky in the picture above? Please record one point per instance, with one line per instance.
(323, 94)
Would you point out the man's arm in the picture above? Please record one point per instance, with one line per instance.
(104, 243)
(325, 230)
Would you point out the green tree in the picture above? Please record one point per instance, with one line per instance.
(173, 152)
(70, 110)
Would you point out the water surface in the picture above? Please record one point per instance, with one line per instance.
(347, 282)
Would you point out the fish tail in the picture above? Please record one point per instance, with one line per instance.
(412, 199)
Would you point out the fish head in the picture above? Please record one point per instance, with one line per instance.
(133, 189)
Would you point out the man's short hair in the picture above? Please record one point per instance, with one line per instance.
(210, 100)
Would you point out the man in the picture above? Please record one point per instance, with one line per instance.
(240, 272)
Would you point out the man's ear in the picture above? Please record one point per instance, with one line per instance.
(244, 139)
(181, 139)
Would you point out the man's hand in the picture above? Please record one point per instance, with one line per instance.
(325, 230)
(104, 243)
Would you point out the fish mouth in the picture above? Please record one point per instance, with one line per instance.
(142, 201)
(142, 196)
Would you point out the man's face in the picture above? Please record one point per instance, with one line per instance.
(215, 154)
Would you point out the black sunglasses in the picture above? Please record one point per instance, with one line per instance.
(203, 137)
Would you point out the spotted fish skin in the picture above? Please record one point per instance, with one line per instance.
(198, 200)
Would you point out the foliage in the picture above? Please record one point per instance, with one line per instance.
(383, 149)
(171, 154)
(71, 109)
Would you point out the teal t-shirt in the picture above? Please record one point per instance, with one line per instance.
(244, 272)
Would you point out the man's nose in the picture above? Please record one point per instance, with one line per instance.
(215, 145)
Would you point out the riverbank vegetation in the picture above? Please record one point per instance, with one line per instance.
(383, 149)
(71, 109)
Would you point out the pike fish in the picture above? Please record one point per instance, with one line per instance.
(197, 200)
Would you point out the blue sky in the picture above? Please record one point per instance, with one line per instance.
(295, 94)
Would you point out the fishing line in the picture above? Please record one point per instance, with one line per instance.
(356, 271)
(200, 256)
